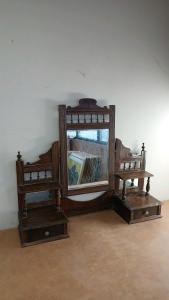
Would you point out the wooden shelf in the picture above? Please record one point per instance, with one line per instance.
(41, 218)
(138, 200)
(133, 174)
(38, 186)
(124, 175)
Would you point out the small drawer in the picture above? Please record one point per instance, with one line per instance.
(145, 212)
(45, 233)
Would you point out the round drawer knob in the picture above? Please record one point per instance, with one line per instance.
(46, 233)
(147, 213)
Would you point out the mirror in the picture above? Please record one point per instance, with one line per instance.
(38, 197)
(87, 158)
(130, 184)
(87, 146)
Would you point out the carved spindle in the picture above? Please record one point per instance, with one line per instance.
(19, 156)
(97, 118)
(30, 176)
(135, 165)
(129, 165)
(24, 207)
(91, 120)
(45, 175)
(58, 199)
(38, 176)
(71, 119)
(103, 118)
(124, 166)
(84, 118)
(148, 186)
(78, 120)
(132, 182)
(124, 190)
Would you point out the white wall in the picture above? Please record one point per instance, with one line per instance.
(56, 52)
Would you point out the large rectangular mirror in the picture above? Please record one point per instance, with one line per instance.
(87, 158)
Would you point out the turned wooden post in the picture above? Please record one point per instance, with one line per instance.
(142, 167)
(20, 169)
(132, 182)
(143, 147)
(58, 199)
(24, 207)
(124, 190)
(148, 186)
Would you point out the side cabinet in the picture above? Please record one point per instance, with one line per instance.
(41, 218)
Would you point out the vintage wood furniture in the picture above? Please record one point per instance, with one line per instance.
(41, 218)
(131, 201)
(90, 129)
(88, 170)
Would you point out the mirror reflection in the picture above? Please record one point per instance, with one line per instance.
(37, 197)
(87, 157)
(130, 183)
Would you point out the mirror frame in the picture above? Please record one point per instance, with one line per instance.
(87, 106)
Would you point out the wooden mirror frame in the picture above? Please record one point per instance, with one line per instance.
(87, 106)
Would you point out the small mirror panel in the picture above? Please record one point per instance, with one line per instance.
(38, 197)
(131, 183)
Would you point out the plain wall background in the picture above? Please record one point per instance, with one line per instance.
(58, 51)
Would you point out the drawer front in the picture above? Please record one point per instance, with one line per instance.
(45, 233)
(145, 212)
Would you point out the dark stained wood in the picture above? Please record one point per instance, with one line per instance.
(72, 208)
(42, 221)
(63, 150)
(45, 157)
(42, 225)
(48, 161)
(88, 106)
(87, 126)
(78, 121)
(138, 207)
(47, 219)
(134, 204)
(124, 156)
(40, 186)
(132, 174)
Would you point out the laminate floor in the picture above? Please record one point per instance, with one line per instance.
(104, 259)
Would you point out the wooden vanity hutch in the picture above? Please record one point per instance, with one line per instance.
(88, 170)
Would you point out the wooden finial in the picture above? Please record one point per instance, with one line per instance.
(143, 147)
(19, 156)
